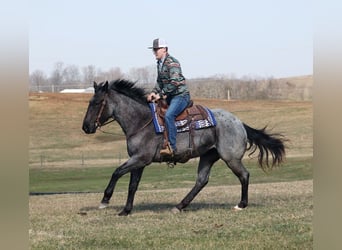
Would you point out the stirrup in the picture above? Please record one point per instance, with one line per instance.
(167, 151)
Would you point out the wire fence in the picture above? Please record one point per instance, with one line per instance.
(45, 161)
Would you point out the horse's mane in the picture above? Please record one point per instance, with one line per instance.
(129, 89)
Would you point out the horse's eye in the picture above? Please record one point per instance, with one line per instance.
(95, 102)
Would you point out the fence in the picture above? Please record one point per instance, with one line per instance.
(45, 161)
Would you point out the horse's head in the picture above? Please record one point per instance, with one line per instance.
(97, 112)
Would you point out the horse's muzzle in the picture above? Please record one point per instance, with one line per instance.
(89, 129)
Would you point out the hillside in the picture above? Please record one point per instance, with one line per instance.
(57, 140)
(297, 88)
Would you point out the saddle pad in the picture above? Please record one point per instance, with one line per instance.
(182, 125)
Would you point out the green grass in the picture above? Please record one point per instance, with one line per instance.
(159, 176)
(279, 217)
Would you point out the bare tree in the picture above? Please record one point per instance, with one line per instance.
(151, 74)
(89, 74)
(145, 75)
(114, 73)
(71, 75)
(100, 76)
(56, 78)
(135, 74)
(111, 74)
(38, 78)
(219, 86)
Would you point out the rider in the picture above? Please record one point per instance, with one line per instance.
(170, 86)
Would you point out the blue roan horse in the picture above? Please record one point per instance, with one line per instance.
(228, 140)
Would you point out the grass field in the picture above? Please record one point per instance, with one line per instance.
(62, 158)
(159, 176)
(279, 217)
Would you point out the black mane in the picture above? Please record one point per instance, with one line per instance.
(129, 89)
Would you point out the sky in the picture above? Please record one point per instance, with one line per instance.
(262, 38)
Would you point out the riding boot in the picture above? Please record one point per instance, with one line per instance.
(167, 150)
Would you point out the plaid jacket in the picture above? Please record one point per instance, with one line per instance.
(170, 80)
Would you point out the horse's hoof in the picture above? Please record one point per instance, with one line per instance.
(237, 208)
(103, 205)
(123, 213)
(175, 210)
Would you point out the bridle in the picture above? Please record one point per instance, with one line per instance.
(97, 122)
(99, 125)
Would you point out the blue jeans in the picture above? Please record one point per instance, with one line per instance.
(176, 105)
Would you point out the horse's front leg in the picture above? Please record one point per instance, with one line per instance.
(126, 167)
(133, 186)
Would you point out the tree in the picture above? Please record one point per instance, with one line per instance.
(114, 73)
(143, 75)
(89, 74)
(38, 78)
(56, 78)
(111, 74)
(71, 75)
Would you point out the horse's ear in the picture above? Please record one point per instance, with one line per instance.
(95, 85)
(105, 87)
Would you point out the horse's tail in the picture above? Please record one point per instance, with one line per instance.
(268, 144)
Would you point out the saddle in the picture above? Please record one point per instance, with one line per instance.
(190, 114)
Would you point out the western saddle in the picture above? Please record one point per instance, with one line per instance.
(191, 114)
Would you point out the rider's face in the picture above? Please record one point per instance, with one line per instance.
(159, 53)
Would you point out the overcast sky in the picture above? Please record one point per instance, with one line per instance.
(242, 38)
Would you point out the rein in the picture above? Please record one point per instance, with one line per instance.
(148, 123)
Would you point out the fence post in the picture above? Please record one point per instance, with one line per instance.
(82, 157)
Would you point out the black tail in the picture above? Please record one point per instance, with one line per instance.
(267, 143)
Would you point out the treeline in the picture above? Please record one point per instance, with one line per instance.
(72, 76)
(294, 88)
(215, 87)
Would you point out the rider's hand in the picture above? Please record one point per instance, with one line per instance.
(157, 97)
(152, 97)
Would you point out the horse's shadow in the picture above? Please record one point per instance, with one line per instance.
(165, 207)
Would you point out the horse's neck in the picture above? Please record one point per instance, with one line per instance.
(130, 114)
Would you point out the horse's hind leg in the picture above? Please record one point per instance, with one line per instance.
(204, 167)
(240, 171)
